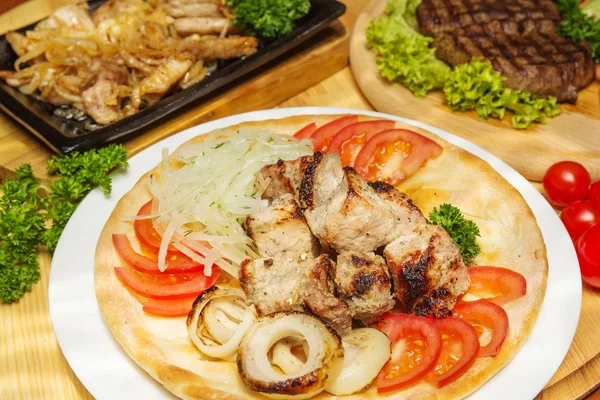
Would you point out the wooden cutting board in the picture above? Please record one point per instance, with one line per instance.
(573, 135)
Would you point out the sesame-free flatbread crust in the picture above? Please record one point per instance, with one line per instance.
(510, 238)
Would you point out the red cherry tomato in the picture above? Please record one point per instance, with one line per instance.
(145, 232)
(322, 136)
(305, 132)
(485, 315)
(179, 285)
(175, 262)
(588, 252)
(594, 193)
(460, 346)
(416, 344)
(497, 285)
(579, 216)
(394, 155)
(169, 308)
(566, 182)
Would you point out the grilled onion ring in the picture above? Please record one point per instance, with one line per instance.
(366, 351)
(218, 321)
(323, 360)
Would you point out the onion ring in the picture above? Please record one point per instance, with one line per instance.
(218, 321)
(323, 363)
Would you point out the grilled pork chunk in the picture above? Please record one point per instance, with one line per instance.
(428, 271)
(353, 216)
(280, 230)
(279, 283)
(283, 177)
(407, 216)
(363, 281)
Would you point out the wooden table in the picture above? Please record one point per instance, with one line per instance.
(31, 363)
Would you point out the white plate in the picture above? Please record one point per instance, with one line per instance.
(108, 373)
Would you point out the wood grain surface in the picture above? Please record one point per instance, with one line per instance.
(31, 364)
(573, 135)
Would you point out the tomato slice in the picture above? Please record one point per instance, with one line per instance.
(175, 262)
(322, 136)
(394, 155)
(147, 286)
(145, 232)
(416, 344)
(460, 346)
(169, 308)
(350, 139)
(482, 314)
(496, 284)
(306, 132)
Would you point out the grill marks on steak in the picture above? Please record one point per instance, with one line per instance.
(517, 36)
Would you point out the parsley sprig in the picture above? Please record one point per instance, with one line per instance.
(461, 230)
(579, 26)
(33, 214)
(268, 19)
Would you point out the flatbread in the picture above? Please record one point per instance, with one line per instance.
(510, 238)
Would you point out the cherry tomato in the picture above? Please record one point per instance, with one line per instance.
(350, 140)
(588, 252)
(594, 193)
(460, 346)
(169, 308)
(497, 285)
(145, 232)
(485, 315)
(305, 132)
(394, 155)
(322, 136)
(566, 182)
(184, 286)
(175, 262)
(416, 344)
(579, 216)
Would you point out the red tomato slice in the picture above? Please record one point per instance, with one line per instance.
(483, 314)
(401, 149)
(145, 232)
(416, 344)
(148, 287)
(306, 132)
(496, 284)
(350, 140)
(169, 308)
(460, 346)
(175, 262)
(322, 136)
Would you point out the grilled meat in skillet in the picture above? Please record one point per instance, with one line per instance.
(517, 36)
(428, 271)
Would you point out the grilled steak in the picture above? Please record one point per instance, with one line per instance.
(363, 281)
(517, 36)
(428, 271)
(283, 177)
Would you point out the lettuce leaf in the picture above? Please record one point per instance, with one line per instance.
(477, 86)
(404, 55)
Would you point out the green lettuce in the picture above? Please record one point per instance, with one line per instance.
(404, 55)
(477, 86)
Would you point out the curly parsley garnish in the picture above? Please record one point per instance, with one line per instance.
(268, 19)
(461, 230)
(34, 215)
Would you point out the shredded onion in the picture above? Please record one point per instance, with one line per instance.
(218, 321)
(203, 204)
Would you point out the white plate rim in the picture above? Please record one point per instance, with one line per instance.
(108, 373)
